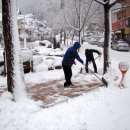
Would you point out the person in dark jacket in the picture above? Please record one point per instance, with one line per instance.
(90, 58)
(68, 60)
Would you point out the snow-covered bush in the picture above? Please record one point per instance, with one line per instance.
(56, 52)
(32, 45)
(41, 50)
(40, 67)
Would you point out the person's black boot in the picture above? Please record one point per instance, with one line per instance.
(66, 85)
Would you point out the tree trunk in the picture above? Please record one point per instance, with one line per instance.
(14, 66)
(64, 37)
(73, 36)
(7, 33)
(106, 42)
(61, 35)
(54, 43)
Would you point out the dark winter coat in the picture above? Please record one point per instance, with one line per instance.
(71, 54)
(89, 54)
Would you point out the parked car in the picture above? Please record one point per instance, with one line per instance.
(100, 43)
(46, 43)
(93, 41)
(86, 39)
(120, 45)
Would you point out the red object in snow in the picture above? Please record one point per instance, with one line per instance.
(123, 66)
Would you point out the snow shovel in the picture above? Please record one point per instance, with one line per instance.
(88, 64)
(101, 79)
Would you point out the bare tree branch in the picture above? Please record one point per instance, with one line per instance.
(123, 7)
(86, 15)
(112, 4)
(76, 9)
(63, 14)
(101, 2)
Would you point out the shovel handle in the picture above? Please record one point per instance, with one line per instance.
(89, 63)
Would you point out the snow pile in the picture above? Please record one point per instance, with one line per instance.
(46, 43)
(57, 52)
(101, 109)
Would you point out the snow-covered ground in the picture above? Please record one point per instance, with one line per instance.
(101, 109)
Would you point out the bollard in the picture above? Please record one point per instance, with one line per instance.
(123, 66)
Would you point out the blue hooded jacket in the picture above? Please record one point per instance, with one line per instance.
(71, 54)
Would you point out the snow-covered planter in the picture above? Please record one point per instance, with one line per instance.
(40, 67)
(50, 62)
(37, 60)
(57, 64)
(46, 64)
(26, 54)
(27, 59)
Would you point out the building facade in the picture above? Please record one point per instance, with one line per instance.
(121, 24)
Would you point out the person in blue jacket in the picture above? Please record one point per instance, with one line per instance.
(68, 60)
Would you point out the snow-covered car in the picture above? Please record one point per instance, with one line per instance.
(93, 41)
(100, 43)
(76, 38)
(120, 45)
(86, 39)
(26, 56)
(46, 43)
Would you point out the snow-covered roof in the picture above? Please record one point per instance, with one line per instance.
(25, 16)
(117, 8)
(20, 16)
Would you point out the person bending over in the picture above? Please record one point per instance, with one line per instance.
(90, 58)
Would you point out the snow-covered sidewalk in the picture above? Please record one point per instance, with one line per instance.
(102, 109)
